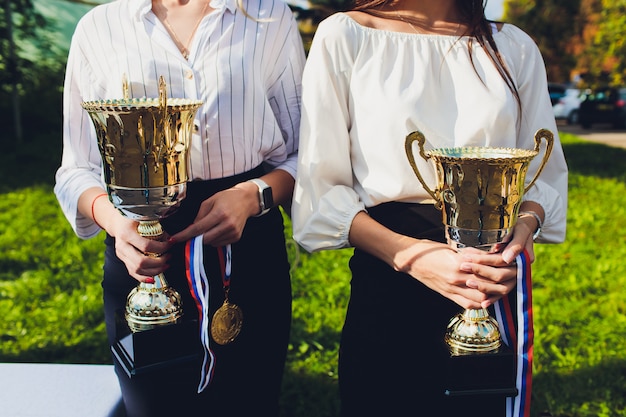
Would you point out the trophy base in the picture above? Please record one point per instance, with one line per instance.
(482, 381)
(151, 350)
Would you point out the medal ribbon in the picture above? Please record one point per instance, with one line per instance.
(199, 288)
(225, 257)
(519, 336)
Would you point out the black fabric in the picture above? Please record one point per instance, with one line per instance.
(392, 347)
(248, 372)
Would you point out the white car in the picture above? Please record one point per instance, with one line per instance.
(566, 108)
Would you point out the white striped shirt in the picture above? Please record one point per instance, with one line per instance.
(247, 72)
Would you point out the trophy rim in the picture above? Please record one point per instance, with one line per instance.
(140, 103)
(482, 154)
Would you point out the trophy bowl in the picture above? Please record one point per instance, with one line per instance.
(144, 145)
(479, 191)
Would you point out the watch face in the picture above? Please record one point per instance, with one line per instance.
(268, 200)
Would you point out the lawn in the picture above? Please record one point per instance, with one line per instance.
(50, 295)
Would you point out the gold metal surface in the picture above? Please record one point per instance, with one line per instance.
(479, 191)
(473, 331)
(226, 323)
(152, 305)
(156, 304)
(144, 144)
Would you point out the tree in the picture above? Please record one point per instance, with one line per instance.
(578, 38)
(604, 59)
(18, 20)
(557, 27)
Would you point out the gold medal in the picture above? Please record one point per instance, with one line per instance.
(226, 324)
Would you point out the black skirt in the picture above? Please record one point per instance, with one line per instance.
(248, 372)
(392, 348)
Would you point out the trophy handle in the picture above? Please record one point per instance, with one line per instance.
(408, 146)
(549, 137)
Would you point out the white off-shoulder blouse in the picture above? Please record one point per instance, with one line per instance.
(365, 89)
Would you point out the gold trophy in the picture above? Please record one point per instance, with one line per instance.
(144, 145)
(479, 191)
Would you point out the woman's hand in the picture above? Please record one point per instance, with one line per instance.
(471, 279)
(493, 276)
(144, 258)
(482, 264)
(222, 217)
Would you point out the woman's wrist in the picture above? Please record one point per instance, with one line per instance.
(536, 217)
(93, 208)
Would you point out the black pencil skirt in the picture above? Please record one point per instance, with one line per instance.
(392, 347)
(248, 371)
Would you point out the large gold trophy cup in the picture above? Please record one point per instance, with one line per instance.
(479, 191)
(144, 144)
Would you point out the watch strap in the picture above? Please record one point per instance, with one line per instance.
(537, 218)
(266, 200)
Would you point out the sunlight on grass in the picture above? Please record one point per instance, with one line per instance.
(50, 296)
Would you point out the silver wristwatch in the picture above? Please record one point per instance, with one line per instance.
(266, 199)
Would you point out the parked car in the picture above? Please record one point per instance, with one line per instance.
(604, 105)
(556, 92)
(566, 108)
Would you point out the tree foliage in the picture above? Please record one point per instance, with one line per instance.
(605, 57)
(552, 24)
(18, 20)
(581, 40)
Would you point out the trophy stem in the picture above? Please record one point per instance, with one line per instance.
(154, 304)
(473, 331)
(150, 229)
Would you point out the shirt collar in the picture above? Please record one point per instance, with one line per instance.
(231, 5)
(139, 8)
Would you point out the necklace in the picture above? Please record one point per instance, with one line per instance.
(421, 32)
(184, 47)
(406, 21)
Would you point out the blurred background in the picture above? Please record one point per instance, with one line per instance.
(50, 295)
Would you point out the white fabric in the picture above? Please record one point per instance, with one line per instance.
(248, 73)
(365, 89)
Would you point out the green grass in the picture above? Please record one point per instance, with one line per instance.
(50, 295)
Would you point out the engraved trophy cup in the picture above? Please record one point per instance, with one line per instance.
(479, 191)
(144, 145)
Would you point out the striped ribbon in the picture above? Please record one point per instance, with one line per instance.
(199, 287)
(519, 335)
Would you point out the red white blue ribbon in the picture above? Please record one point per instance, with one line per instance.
(225, 258)
(199, 287)
(519, 335)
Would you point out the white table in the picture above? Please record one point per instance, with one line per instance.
(59, 390)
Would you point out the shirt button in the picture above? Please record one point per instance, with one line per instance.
(189, 74)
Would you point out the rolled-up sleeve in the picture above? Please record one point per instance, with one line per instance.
(325, 201)
(551, 187)
(81, 162)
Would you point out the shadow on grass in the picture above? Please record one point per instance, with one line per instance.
(306, 395)
(32, 163)
(587, 392)
(597, 160)
(92, 349)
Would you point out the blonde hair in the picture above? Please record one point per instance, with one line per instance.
(241, 7)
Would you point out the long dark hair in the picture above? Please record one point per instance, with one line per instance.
(478, 29)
